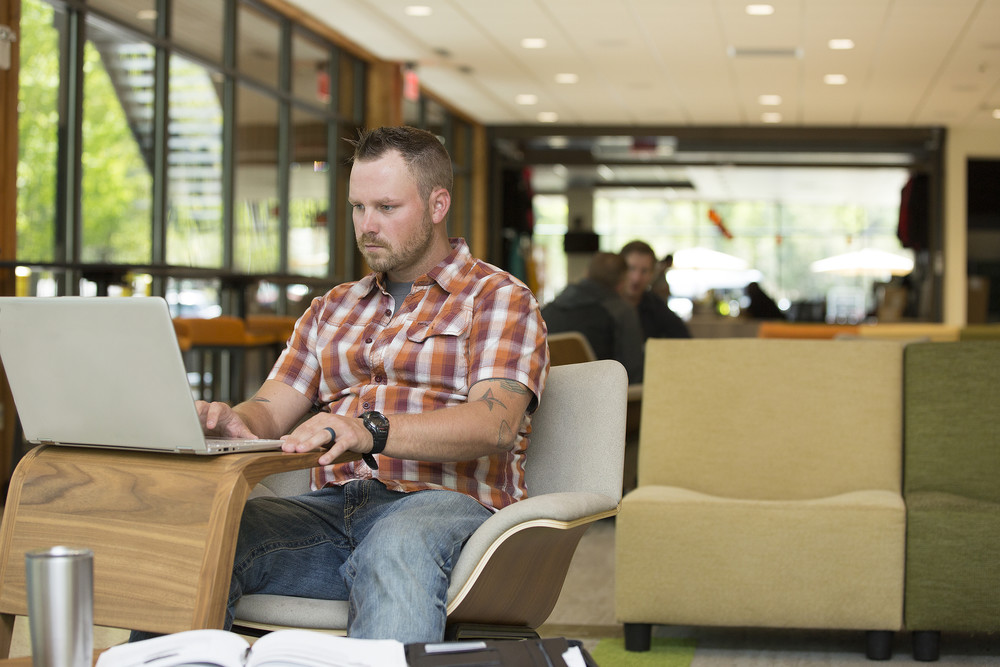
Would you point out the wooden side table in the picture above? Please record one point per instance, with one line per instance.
(162, 528)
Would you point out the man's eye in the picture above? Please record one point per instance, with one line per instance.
(387, 207)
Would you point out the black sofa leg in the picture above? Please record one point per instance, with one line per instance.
(879, 644)
(638, 636)
(926, 645)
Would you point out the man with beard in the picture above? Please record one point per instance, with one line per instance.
(429, 367)
(658, 321)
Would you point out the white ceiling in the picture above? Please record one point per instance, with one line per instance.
(915, 63)
(670, 62)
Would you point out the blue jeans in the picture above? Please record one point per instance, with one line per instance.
(389, 554)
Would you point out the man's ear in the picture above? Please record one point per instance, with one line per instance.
(439, 203)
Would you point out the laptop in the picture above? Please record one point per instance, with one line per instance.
(103, 372)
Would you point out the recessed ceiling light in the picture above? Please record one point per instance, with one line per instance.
(769, 100)
(835, 79)
(771, 117)
(760, 10)
(418, 10)
(548, 117)
(567, 77)
(996, 113)
(533, 43)
(841, 44)
(526, 99)
(146, 14)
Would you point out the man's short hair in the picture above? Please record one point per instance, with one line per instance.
(425, 157)
(607, 268)
(638, 247)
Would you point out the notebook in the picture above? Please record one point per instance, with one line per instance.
(103, 372)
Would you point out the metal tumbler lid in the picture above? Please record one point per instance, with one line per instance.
(59, 552)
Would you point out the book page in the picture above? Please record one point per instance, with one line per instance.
(192, 647)
(317, 649)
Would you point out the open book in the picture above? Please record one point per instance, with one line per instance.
(220, 648)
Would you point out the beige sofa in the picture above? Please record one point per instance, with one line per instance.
(768, 489)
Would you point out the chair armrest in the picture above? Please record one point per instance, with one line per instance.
(511, 570)
(556, 510)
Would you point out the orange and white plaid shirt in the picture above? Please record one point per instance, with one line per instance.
(463, 322)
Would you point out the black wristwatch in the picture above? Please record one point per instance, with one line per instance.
(378, 425)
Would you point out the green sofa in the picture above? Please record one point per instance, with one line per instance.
(952, 490)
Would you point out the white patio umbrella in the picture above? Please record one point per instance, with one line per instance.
(865, 262)
(697, 270)
(702, 259)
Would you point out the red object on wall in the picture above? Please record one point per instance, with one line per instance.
(411, 84)
(322, 84)
(717, 220)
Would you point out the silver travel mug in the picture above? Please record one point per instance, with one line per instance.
(61, 606)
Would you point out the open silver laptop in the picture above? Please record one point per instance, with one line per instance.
(103, 372)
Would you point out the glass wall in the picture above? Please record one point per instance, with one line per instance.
(187, 145)
(774, 243)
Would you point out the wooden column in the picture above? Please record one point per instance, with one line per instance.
(10, 16)
(384, 103)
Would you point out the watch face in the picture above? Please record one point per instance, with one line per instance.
(377, 420)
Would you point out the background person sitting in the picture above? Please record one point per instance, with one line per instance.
(658, 321)
(594, 307)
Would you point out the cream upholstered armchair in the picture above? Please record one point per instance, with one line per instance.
(769, 489)
(511, 570)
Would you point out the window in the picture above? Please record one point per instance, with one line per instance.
(42, 27)
(774, 243)
(194, 166)
(117, 158)
(149, 147)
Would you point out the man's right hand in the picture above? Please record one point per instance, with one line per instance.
(219, 419)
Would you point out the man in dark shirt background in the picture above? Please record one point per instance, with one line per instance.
(658, 321)
(595, 308)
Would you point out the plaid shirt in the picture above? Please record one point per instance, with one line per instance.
(462, 322)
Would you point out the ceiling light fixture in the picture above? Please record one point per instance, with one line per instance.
(771, 117)
(760, 10)
(533, 43)
(146, 14)
(996, 113)
(526, 99)
(841, 44)
(418, 10)
(769, 100)
(567, 77)
(835, 79)
(548, 117)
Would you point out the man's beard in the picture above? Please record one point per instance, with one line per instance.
(411, 250)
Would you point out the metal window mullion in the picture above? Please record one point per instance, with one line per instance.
(228, 133)
(334, 214)
(161, 124)
(284, 144)
(69, 182)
